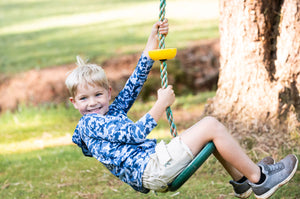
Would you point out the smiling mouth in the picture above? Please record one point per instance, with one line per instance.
(94, 110)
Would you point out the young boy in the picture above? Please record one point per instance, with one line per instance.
(106, 133)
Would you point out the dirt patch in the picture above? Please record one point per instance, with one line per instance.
(196, 69)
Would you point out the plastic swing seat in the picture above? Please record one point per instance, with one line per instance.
(192, 167)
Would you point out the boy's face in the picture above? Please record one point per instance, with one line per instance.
(91, 99)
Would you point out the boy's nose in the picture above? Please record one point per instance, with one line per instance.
(92, 102)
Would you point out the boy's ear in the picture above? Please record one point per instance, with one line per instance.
(72, 100)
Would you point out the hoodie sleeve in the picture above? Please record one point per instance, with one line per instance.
(133, 86)
(76, 138)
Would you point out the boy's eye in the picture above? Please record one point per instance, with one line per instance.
(82, 98)
(98, 94)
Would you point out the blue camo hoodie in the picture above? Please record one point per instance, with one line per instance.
(113, 139)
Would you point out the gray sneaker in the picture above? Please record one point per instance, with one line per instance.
(276, 175)
(243, 189)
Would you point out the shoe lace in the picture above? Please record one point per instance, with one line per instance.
(275, 167)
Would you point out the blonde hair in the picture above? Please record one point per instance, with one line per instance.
(86, 73)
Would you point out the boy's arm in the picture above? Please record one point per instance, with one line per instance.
(97, 127)
(137, 132)
(132, 88)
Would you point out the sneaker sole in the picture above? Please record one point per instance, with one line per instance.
(245, 194)
(271, 191)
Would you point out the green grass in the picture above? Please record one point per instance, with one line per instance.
(63, 172)
(38, 34)
(32, 122)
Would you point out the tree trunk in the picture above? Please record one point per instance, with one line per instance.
(259, 80)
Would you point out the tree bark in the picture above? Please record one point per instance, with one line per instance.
(259, 79)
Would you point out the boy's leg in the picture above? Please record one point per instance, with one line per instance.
(240, 184)
(235, 159)
(264, 179)
(233, 172)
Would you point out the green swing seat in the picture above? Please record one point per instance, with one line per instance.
(192, 167)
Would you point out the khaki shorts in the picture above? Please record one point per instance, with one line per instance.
(165, 164)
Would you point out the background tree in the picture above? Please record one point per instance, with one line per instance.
(259, 79)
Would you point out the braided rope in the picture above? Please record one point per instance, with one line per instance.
(163, 69)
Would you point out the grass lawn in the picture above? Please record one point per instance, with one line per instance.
(28, 170)
(63, 172)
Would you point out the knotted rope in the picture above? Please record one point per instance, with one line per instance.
(163, 69)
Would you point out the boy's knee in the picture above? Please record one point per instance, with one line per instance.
(213, 122)
(210, 120)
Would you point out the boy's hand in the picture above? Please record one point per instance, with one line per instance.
(153, 40)
(162, 28)
(166, 96)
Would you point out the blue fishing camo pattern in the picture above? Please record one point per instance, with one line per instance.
(116, 141)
